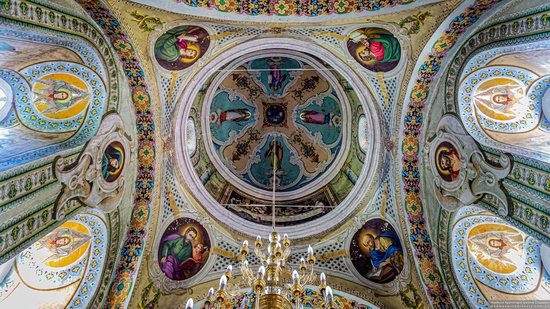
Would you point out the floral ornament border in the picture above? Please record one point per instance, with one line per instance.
(134, 243)
(413, 120)
(309, 8)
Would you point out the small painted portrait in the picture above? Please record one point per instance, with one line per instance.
(181, 47)
(112, 162)
(447, 161)
(376, 251)
(374, 48)
(184, 249)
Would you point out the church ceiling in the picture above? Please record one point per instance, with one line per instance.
(371, 123)
(284, 10)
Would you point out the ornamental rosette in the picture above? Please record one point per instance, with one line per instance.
(342, 6)
(146, 154)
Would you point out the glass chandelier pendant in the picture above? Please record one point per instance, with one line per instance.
(275, 285)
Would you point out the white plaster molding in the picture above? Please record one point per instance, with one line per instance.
(366, 178)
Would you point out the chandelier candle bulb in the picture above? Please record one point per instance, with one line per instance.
(303, 266)
(258, 241)
(322, 283)
(209, 298)
(223, 282)
(261, 272)
(329, 295)
(229, 272)
(278, 250)
(295, 277)
(189, 304)
(244, 249)
(286, 241)
(310, 256)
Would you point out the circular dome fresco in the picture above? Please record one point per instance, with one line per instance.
(276, 121)
(274, 116)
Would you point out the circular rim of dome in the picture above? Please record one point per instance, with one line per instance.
(5, 107)
(332, 169)
(369, 174)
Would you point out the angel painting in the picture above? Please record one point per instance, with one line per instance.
(501, 99)
(503, 247)
(375, 49)
(57, 95)
(181, 47)
(183, 254)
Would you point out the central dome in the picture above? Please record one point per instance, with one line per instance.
(278, 118)
(272, 113)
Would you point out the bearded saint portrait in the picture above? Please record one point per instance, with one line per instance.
(448, 162)
(181, 47)
(183, 254)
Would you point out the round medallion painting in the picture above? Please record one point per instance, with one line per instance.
(374, 48)
(112, 162)
(447, 161)
(181, 47)
(183, 249)
(376, 251)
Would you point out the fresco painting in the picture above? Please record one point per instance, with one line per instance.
(180, 47)
(376, 251)
(276, 110)
(60, 96)
(62, 269)
(112, 162)
(448, 161)
(501, 99)
(497, 247)
(248, 208)
(184, 249)
(375, 49)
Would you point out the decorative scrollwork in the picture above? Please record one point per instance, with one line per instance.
(96, 179)
(462, 174)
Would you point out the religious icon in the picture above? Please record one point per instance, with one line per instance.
(375, 49)
(314, 117)
(376, 251)
(62, 242)
(500, 249)
(112, 162)
(275, 154)
(275, 78)
(501, 99)
(447, 161)
(181, 47)
(232, 115)
(184, 249)
(57, 95)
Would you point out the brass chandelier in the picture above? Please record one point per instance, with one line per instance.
(275, 284)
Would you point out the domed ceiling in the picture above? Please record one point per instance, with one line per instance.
(274, 116)
(277, 118)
